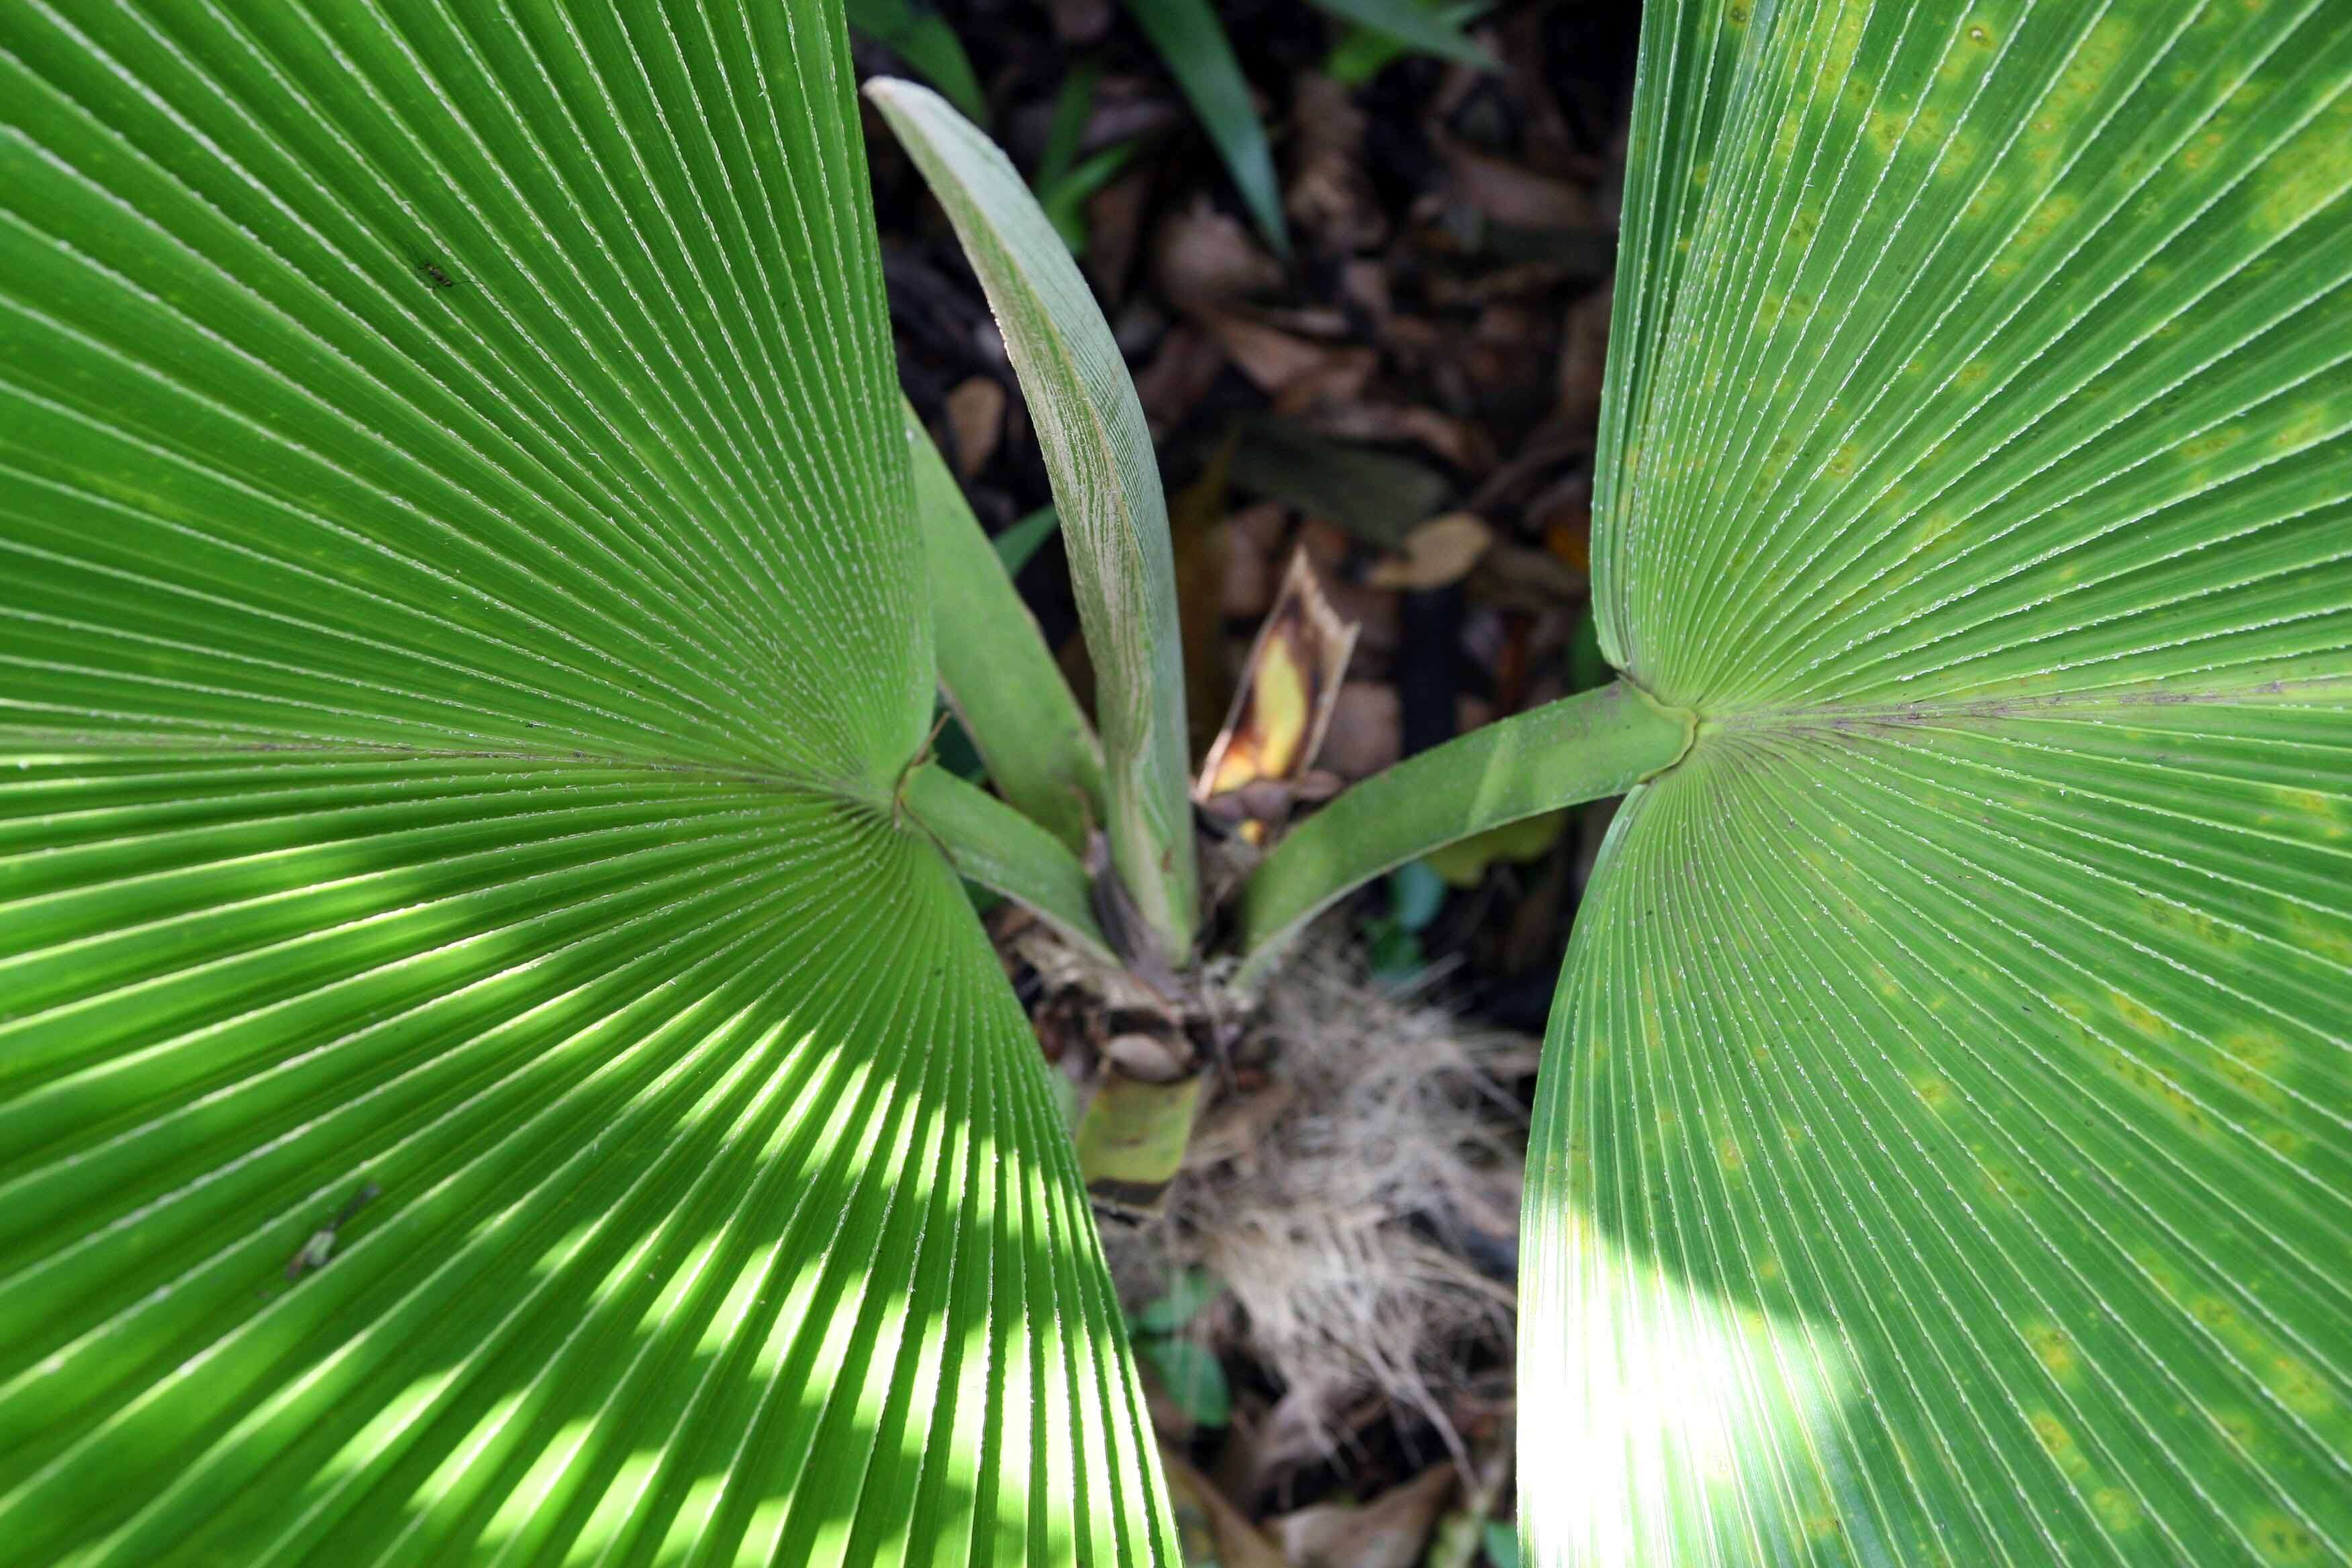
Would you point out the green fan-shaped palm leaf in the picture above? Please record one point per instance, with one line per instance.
(485, 1071)
(1946, 1147)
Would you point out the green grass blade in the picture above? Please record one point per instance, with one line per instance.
(1413, 25)
(924, 40)
(994, 665)
(1580, 748)
(1018, 545)
(1362, 53)
(1064, 200)
(992, 844)
(1074, 106)
(1193, 42)
(462, 628)
(1940, 1153)
(1106, 486)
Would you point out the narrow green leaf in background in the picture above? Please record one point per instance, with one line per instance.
(1193, 1377)
(1065, 133)
(1063, 182)
(1416, 892)
(923, 38)
(1941, 1150)
(1105, 481)
(1018, 545)
(462, 627)
(1413, 25)
(1187, 1294)
(1191, 41)
(1362, 53)
(1064, 200)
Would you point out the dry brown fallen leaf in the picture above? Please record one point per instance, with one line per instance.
(976, 422)
(1239, 1543)
(1564, 502)
(1375, 611)
(1436, 552)
(1309, 1422)
(1306, 320)
(1547, 141)
(1177, 376)
(1387, 1532)
(1128, 106)
(1366, 730)
(1364, 283)
(1458, 441)
(1080, 21)
(1203, 257)
(1114, 224)
(1252, 536)
(1327, 544)
(1510, 194)
(1517, 282)
(1518, 574)
(1583, 354)
(1291, 369)
(1330, 194)
(1509, 353)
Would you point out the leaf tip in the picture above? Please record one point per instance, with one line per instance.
(888, 93)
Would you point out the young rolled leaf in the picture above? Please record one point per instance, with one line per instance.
(462, 627)
(1941, 1149)
(1106, 483)
(994, 666)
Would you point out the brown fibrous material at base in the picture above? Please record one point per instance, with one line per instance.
(1347, 1198)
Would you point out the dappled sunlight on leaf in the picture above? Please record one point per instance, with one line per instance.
(1666, 1401)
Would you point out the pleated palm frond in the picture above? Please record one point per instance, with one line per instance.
(485, 1071)
(1945, 1153)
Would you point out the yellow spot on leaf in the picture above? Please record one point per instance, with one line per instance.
(2005, 1182)
(2140, 1018)
(2303, 1389)
(2058, 1443)
(2284, 1142)
(2242, 1428)
(2284, 1540)
(2052, 1348)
